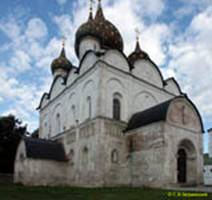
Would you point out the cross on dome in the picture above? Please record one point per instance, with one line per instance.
(63, 41)
(138, 32)
(91, 9)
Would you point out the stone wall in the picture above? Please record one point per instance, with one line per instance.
(146, 157)
(41, 172)
(177, 138)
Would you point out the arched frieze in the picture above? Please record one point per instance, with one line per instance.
(115, 87)
(182, 113)
(88, 100)
(57, 120)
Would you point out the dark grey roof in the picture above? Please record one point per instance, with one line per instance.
(151, 115)
(207, 159)
(156, 114)
(44, 149)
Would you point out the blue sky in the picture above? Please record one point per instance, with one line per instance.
(175, 33)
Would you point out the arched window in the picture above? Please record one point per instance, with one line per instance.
(85, 156)
(114, 156)
(58, 123)
(89, 106)
(22, 157)
(73, 115)
(116, 108)
(71, 157)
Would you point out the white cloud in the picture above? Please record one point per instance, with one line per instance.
(151, 9)
(1, 99)
(191, 7)
(25, 46)
(20, 61)
(36, 29)
(191, 61)
(152, 38)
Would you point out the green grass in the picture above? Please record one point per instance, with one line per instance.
(16, 192)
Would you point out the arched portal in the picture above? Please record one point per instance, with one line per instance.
(181, 166)
(186, 163)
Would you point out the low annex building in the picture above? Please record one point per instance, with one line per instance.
(112, 121)
(208, 161)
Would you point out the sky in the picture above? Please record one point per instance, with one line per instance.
(177, 35)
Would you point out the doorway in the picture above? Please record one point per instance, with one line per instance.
(182, 166)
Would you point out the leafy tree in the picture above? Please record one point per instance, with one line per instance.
(11, 132)
(35, 133)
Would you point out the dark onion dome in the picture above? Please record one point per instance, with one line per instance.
(137, 54)
(100, 28)
(61, 62)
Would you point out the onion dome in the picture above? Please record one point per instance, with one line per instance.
(137, 54)
(100, 28)
(61, 62)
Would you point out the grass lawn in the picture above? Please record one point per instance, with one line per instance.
(15, 192)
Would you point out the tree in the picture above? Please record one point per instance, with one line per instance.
(11, 132)
(35, 133)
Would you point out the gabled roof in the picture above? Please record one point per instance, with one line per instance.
(157, 113)
(151, 115)
(44, 149)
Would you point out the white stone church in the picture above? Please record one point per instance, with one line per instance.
(112, 121)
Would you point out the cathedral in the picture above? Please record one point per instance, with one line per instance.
(113, 120)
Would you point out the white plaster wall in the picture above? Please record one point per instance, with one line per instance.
(104, 81)
(37, 172)
(116, 59)
(208, 174)
(143, 101)
(148, 72)
(30, 171)
(72, 110)
(58, 87)
(45, 126)
(88, 62)
(88, 43)
(85, 85)
(44, 101)
(116, 86)
(89, 90)
(72, 77)
(137, 94)
(172, 87)
(18, 167)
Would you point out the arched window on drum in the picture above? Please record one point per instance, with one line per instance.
(117, 107)
(58, 123)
